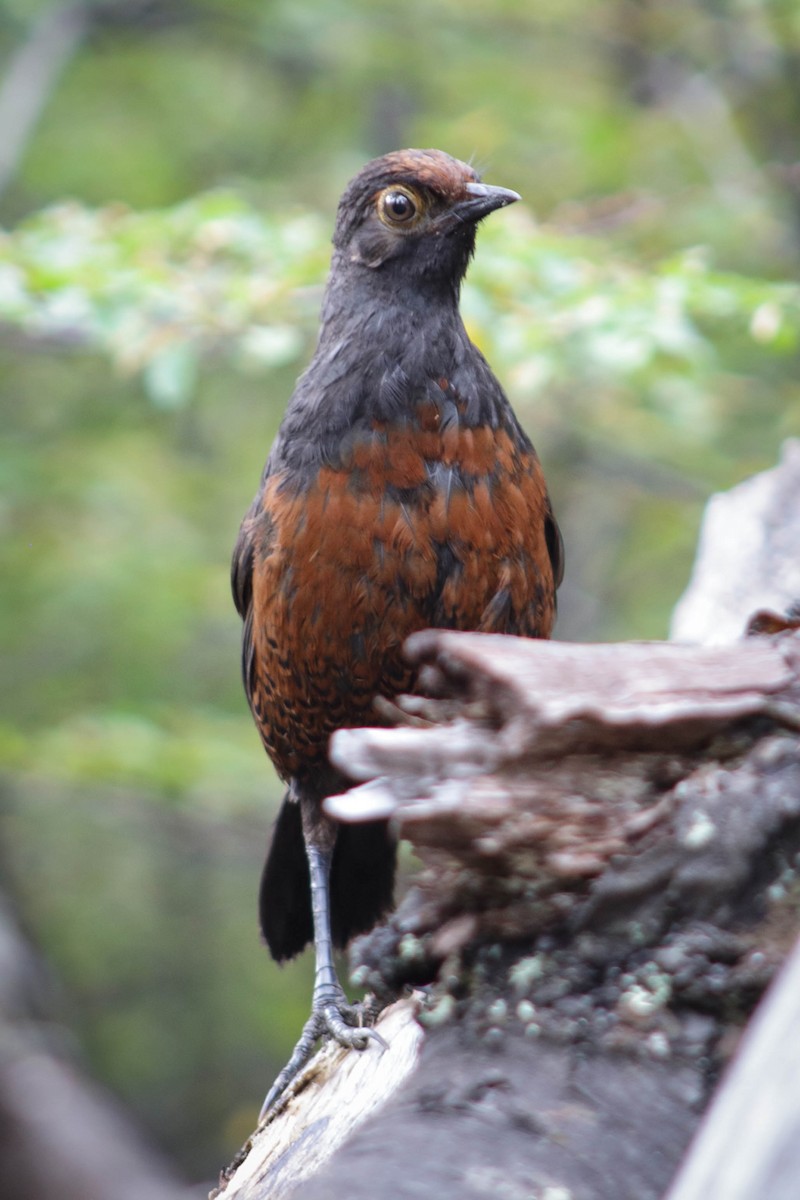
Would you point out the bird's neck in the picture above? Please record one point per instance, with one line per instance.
(387, 300)
(382, 347)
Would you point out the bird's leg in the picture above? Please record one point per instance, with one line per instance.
(331, 1013)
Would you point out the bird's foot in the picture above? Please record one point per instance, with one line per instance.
(332, 1016)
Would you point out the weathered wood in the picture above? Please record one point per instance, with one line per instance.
(557, 770)
(544, 700)
(619, 901)
(749, 1143)
(474, 1123)
(313, 1119)
(748, 556)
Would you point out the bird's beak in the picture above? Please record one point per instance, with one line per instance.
(483, 198)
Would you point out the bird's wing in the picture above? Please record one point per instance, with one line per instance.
(242, 565)
(555, 544)
(242, 588)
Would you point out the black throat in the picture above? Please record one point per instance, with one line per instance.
(390, 337)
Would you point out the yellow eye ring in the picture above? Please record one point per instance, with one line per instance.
(398, 206)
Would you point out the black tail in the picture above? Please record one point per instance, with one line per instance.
(362, 883)
(284, 901)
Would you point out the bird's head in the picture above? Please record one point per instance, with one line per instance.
(414, 213)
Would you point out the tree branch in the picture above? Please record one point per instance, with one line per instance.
(31, 79)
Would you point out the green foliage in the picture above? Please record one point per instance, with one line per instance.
(156, 290)
(161, 291)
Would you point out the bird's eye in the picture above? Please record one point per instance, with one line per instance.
(397, 206)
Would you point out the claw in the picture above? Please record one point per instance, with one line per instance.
(335, 1019)
(374, 1036)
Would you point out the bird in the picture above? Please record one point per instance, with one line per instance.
(400, 493)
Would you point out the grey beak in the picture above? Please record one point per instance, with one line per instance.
(483, 199)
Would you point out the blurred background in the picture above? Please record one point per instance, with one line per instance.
(169, 171)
